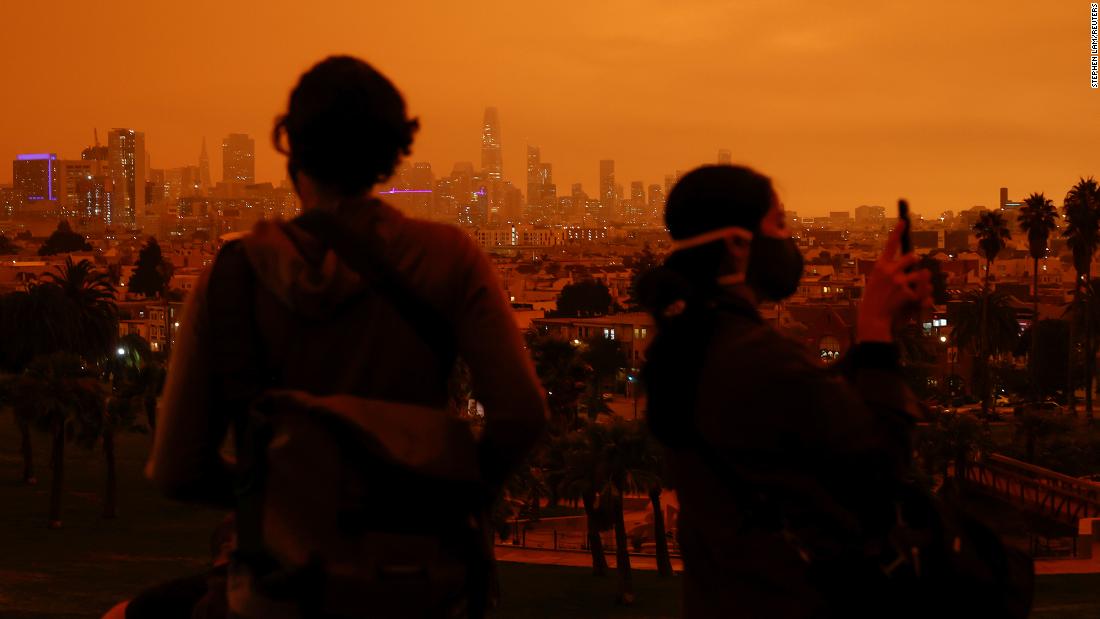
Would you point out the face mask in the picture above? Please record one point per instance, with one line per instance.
(775, 267)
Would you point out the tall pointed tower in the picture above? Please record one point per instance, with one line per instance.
(204, 168)
(491, 161)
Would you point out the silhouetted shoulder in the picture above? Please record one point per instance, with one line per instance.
(751, 347)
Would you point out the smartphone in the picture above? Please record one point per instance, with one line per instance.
(906, 240)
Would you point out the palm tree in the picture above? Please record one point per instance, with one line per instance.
(623, 462)
(78, 310)
(146, 371)
(575, 479)
(67, 402)
(657, 466)
(987, 321)
(1081, 208)
(992, 233)
(564, 374)
(1036, 219)
(130, 377)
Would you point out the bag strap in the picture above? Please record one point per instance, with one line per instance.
(239, 377)
(433, 327)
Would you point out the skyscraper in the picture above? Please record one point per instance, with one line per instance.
(491, 160)
(534, 190)
(637, 201)
(725, 157)
(656, 202)
(36, 176)
(204, 168)
(74, 175)
(607, 187)
(126, 159)
(238, 159)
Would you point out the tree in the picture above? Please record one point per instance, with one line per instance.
(642, 263)
(584, 298)
(7, 246)
(949, 443)
(576, 478)
(147, 373)
(71, 311)
(1081, 209)
(623, 462)
(657, 466)
(985, 324)
(77, 312)
(992, 233)
(136, 378)
(151, 278)
(1036, 218)
(64, 240)
(67, 402)
(152, 272)
(563, 373)
(606, 357)
(1049, 356)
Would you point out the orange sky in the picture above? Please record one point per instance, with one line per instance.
(843, 103)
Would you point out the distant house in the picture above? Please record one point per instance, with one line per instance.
(634, 330)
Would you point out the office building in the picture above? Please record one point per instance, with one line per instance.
(126, 160)
(238, 159)
(491, 160)
(869, 215)
(36, 176)
(607, 198)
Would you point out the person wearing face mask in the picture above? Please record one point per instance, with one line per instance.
(779, 462)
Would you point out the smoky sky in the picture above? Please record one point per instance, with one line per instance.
(842, 103)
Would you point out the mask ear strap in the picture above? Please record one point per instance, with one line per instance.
(731, 278)
(731, 232)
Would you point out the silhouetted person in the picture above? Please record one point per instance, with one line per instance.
(776, 458)
(352, 314)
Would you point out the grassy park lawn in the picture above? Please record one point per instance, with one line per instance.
(82, 569)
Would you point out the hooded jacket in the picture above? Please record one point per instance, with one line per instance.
(325, 331)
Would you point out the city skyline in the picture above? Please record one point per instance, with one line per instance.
(841, 108)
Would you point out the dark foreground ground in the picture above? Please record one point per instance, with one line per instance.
(84, 568)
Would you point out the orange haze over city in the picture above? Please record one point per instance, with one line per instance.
(843, 103)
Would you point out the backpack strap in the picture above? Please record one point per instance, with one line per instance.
(240, 376)
(435, 329)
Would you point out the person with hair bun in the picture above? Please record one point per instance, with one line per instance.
(777, 460)
(351, 304)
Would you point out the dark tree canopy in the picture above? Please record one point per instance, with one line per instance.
(584, 298)
(64, 240)
(152, 274)
(605, 356)
(7, 246)
(641, 264)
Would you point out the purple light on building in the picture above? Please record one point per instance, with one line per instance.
(36, 157)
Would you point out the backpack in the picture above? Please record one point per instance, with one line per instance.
(346, 506)
(935, 559)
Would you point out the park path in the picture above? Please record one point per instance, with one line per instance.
(573, 558)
